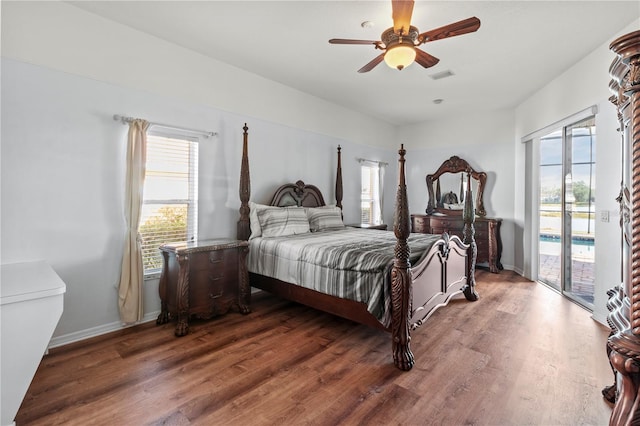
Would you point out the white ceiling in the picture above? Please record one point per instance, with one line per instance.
(520, 46)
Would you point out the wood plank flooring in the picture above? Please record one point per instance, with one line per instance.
(521, 355)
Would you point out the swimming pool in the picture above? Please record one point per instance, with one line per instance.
(582, 246)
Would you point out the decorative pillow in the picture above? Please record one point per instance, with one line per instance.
(283, 221)
(321, 218)
(254, 223)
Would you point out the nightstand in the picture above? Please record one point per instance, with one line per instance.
(382, 226)
(203, 279)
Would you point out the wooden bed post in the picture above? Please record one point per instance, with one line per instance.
(339, 180)
(469, 216)
(244, 227)
(401, 276)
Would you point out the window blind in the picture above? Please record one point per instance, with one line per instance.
(170, 197)
(370, 210)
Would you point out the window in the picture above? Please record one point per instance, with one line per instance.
(371, 194)
(170, 198)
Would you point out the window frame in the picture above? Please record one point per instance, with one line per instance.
(374, 196)
(191, 201)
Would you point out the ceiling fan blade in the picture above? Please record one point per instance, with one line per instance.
(425, 59)
(401, 13)
(465, 26)
(350, 41)
(372, 64)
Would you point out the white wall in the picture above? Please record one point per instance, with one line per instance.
(61, 36)
(583, 85)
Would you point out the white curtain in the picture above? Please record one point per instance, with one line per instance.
(381, 167)
(131, 276)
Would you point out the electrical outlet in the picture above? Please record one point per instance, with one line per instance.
(604, 215)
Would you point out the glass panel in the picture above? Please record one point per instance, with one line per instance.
(551, 148)
(160, 224)
(550, 222)
(581, 285)
(584, 146)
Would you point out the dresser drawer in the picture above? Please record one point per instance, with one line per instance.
(420, 224)
(481, 234)
(486, 229)
(213, 260)
(442, 223)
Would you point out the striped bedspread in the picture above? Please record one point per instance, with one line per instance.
(349, 263)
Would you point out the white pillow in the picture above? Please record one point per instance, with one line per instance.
(453, 206)
(254, 223)
(283, 221)
(327, 217)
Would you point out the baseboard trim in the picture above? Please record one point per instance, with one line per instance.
(88, 333)
(602, 319)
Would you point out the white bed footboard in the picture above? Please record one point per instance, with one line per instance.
(440, 275)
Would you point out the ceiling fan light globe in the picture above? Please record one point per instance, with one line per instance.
(400, 56)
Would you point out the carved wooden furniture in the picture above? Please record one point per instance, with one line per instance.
(487, 234)
(203, 279)
(416, 292)
(460, 169)
(445, 213)
(623, 345)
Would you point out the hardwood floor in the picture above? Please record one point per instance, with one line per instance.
(520, 355)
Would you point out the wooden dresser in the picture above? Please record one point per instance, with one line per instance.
(487, 234)
(203, 279)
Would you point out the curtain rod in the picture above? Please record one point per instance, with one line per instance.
(125, 120)
(364, 160)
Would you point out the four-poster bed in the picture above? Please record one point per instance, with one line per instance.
(416, 274)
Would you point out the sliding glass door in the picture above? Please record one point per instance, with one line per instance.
(567, 211)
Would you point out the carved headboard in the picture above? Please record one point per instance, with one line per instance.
(297, 194)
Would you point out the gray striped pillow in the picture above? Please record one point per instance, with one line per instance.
(283, 221)
(321, 218)
(254, 223)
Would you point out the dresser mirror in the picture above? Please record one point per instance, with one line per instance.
(448, 185)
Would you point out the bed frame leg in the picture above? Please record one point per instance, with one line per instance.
(401, 277)
(401, 294)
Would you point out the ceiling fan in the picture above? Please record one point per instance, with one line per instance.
(400, 42)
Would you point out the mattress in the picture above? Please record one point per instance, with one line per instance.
(349, 263)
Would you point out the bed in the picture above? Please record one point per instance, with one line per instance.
(389, 280)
